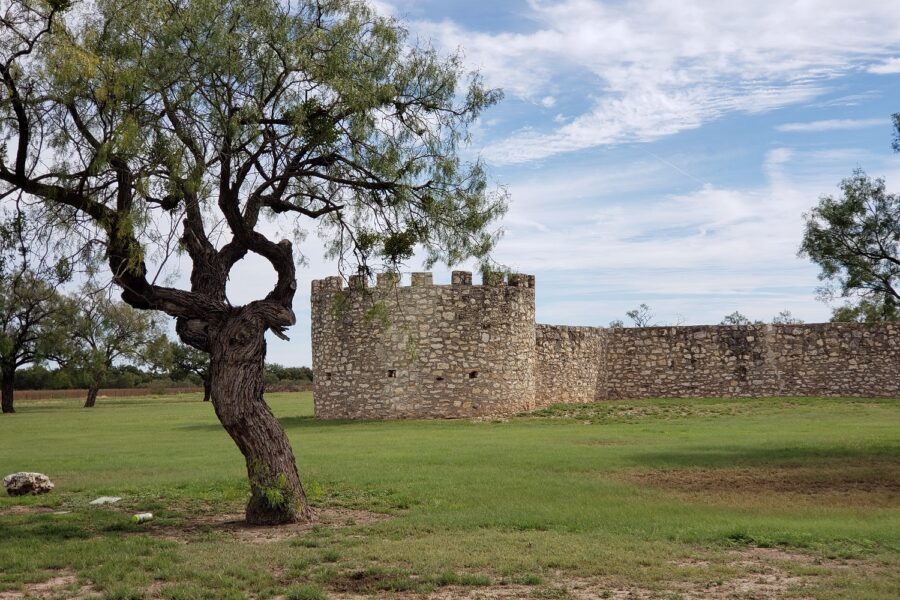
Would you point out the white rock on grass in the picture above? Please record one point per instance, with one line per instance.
(22, 483)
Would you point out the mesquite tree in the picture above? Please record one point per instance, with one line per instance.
(229, 113)
(30, 306)
(103, 332)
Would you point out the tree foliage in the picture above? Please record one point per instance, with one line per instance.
(786, 318)
(220, 116)
(31, 269)
(186, 362)
(735, 318)
(50, 376)
(875, 309)
(855, 239)
(103, 332)
(281, 373)
(641, 316)
(29, 327)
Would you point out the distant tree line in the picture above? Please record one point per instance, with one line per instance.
(128, 376)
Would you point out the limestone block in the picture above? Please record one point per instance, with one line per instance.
(24, 483)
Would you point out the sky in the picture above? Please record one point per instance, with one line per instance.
(660, 152)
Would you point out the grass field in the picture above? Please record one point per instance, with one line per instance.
(649, 499)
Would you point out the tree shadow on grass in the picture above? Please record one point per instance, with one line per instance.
(31, 528)
(304, 422)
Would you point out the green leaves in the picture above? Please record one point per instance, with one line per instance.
(101, 332)
(230, 112)
(855, 239)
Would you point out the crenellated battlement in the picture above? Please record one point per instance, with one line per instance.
(423, 349)
(390, 280)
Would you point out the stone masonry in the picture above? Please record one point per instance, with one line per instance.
(463, 350)
(423, 350)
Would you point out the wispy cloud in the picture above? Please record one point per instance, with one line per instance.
(849, 99)
(888, 67)
(830, 125)
(652, 69)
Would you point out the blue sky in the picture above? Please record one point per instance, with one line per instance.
(661, 151)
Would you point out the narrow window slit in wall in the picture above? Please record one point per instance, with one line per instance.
(473, 374)
(438, 378)
(328, 376)
(392, 373)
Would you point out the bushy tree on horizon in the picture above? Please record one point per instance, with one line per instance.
(102, 332)
(186, 361)
(855, 240)
(31, 269)
(220, 116)
(29, 306)
(641, 316)
(735, 318)
(785, 317)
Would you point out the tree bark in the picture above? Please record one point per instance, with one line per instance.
(91, 396)
(8, 390)
(237, 356)
(207, 389)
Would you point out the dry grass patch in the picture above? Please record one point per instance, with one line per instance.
(234, 525)
(61, 586)
(25, 509)
(762, 573)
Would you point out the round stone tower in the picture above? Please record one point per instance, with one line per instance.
(425, 350)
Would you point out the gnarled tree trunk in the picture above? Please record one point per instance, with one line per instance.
(7, 385)
(91, 396)
(237, 356)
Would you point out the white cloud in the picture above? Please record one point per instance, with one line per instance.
(830, 125)
(703, 254)
(652, 68)
(888, 67)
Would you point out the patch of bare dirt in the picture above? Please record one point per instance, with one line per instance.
(490, 419)
(25, 509)
(754, 556)
(235, 525)
(767, 575)
(59, 587)
(874, 482)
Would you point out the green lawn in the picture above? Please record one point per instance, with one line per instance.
(677, 498)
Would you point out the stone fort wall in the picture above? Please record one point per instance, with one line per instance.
(462, 350)
(423, 350)
(824, 359)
